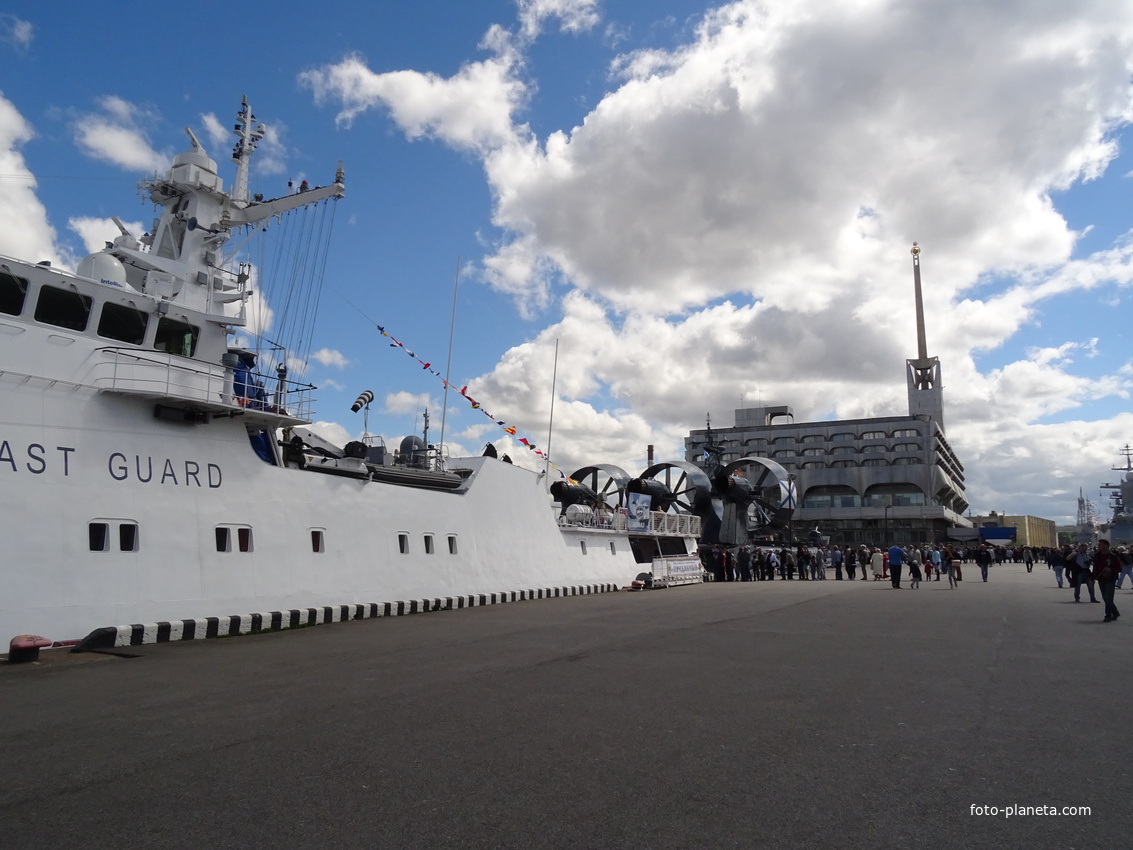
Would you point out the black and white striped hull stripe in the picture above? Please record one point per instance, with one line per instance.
(273, 621)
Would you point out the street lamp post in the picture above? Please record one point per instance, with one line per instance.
(791, 510)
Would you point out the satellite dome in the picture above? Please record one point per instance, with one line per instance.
(102, 268)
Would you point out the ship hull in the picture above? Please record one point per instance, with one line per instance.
(295, 538)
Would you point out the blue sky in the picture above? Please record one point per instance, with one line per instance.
(700, 201)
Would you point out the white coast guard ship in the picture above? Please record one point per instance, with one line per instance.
(148, 477)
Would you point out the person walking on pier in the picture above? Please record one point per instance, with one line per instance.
(1080, 567)
(896, 559)
(877, 564)
(1126, 565)
(983, 560)
(1057, 561)
(1106, 569)
(952, 565)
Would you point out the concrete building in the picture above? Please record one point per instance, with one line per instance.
(872, 481)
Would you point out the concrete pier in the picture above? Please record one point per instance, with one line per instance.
(788, 714)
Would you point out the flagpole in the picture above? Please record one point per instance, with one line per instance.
(551, 420)
(448, 365)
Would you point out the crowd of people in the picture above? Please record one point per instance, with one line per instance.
(1079, 567)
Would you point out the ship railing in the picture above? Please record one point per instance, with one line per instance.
(657, 522)
(164, 376)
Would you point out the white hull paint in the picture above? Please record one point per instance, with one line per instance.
(178, 482)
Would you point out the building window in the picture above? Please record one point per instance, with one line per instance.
(403, 544)
(832, 496)
(843, 450)
(63, 308)
(907, 432)
(842, 437)
(897, 495)
(906, 447)
(874, 449)
(582, 543)
(176, 337)
(814, 464)
(244, 538)
(318, 540)
(875, 461)
(782, 453)
(613, 548)
(428, 544)
(906, 461)
(13, 292)
(223, 539)
(784, 441)
(814, 452)
(813, 438)
(452, 544)
(874, 435)
(123, 323)
(842, 464)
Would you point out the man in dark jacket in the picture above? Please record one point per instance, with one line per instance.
(1078, 565)
(1106, 569)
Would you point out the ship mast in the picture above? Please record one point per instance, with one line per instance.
(246, 140)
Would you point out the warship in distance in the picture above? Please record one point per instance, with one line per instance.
(149, 474)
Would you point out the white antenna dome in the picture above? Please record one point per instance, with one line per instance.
(102, 268)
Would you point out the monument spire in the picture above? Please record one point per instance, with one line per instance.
(926, 400)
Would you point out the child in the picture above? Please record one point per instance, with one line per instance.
(915, 573)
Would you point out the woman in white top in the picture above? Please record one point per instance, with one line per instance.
(877, 564)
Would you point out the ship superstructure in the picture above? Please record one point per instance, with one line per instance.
(152, 470)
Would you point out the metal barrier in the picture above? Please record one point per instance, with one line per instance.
(660, 523)
(165, 376)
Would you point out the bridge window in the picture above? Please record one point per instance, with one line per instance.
(63, 308)
(123, 323)
(452, 544)
(176, 337)
(403, 543)
(428, 544)
(318, 540)
(13, 291)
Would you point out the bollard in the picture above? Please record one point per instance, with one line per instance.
(24, 648)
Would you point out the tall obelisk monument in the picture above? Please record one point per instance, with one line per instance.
(926, 395)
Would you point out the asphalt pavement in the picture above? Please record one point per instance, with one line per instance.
(782, 714)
